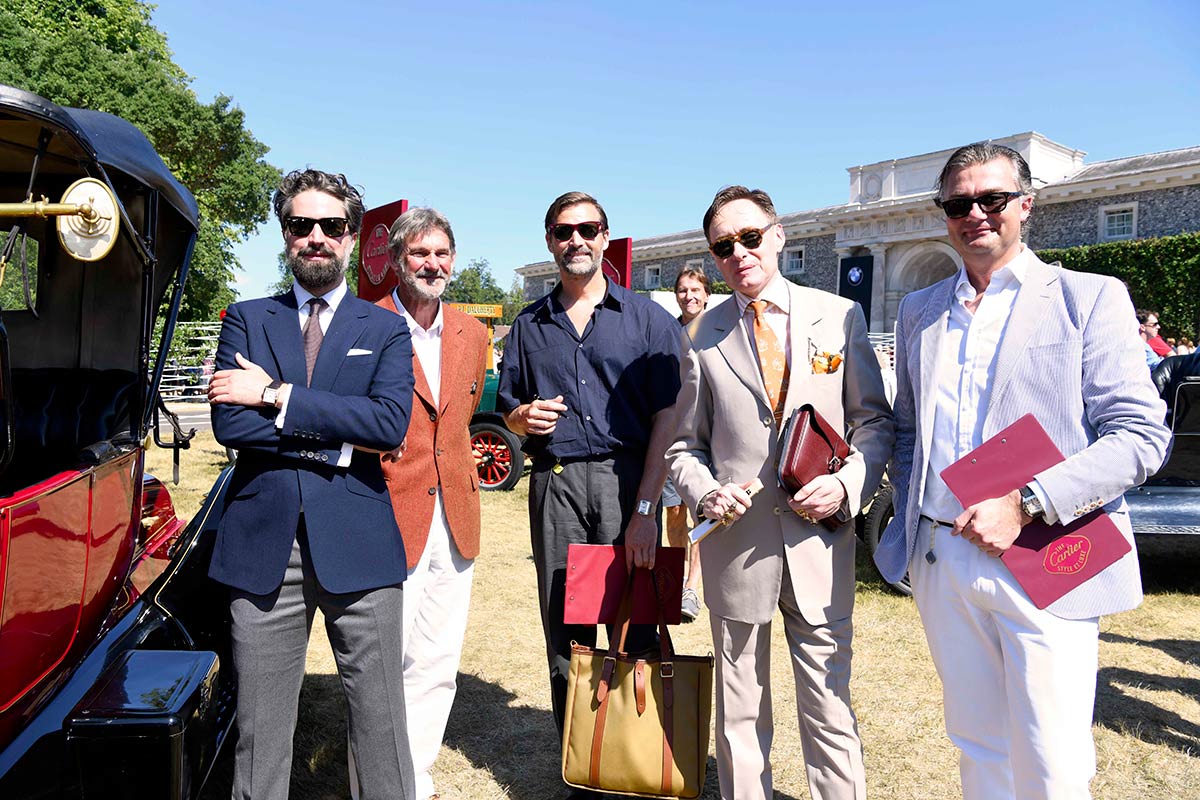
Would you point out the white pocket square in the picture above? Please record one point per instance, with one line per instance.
(354, 351)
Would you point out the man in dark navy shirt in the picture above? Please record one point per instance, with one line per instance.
(590, 373)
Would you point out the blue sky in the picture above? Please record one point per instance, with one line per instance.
(487, 111)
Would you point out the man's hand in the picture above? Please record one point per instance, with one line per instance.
(731, 499)
(819, 498)
(537, 418)
(641, 542)
(993, 525)
(242, 387)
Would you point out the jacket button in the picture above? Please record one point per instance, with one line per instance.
(433, 490)
(777, 511)
(324, 456)
(432, 417)
(766, 422)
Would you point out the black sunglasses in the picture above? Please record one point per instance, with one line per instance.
(750, 239)
(564, 231)
(990, 203)
(333, 227)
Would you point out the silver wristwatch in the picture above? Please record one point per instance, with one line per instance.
(271, 392)
(1030, 504)
(645, 507)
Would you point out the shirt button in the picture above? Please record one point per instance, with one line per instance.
(583, 380)
(433, 490)
(588, 418)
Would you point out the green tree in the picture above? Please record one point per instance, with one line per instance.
(474, 284)
(514, 301)
(106, 55)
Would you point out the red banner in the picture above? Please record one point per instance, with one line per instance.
(618, 261)
(376, 277)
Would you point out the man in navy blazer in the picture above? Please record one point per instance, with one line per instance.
(311, 386)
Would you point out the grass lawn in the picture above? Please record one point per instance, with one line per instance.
(501, 740)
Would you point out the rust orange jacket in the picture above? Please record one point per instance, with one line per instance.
(437, 450)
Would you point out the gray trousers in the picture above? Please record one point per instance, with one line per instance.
(270, 638)
(586, 502)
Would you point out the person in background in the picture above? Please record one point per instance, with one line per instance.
(1148, 330)
(691, 293)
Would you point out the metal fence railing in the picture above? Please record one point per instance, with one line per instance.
(190, 362)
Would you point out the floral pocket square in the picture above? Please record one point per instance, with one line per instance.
(824, 363)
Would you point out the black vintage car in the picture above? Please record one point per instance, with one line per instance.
(115, 676)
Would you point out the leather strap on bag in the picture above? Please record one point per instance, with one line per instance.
(667, 671)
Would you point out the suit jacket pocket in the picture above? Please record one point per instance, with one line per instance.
(371, 486)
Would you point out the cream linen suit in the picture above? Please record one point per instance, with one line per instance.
(771, 557)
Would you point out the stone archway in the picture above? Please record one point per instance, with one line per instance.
(923, 265)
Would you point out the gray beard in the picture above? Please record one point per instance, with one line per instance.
(573, 268)
(419, 288)
(316, 274)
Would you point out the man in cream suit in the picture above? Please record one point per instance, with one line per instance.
(1005, 336)
(748, 363)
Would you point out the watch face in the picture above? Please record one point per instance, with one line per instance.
(644, 507)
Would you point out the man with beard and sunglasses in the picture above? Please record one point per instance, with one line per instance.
(432, 477)
(590, 372)
(1009, 335)
(747, 365)
(311, 386)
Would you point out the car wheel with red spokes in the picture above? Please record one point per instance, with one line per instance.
(498, 456)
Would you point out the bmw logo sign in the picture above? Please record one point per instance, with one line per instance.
(855, 276)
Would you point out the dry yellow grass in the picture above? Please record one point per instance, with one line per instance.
(501, 740)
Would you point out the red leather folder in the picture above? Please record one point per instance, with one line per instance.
(596, 579)
(1047, 560)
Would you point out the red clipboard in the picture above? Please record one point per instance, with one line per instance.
(596, 579)
(1047, 560)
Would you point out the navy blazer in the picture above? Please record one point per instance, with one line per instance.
(361, 393)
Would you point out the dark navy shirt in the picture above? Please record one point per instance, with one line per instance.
(613, 379)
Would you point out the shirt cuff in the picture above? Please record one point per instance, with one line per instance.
(344, 458)
(286, 393)
(1050, 514)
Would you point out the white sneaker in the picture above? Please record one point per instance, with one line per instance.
(690, 607)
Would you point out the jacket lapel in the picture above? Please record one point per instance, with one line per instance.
(801, 319)
(282, 329)
(933, 331)
(347, 325)
(452, 342)
(1028, 309)
(735, 348)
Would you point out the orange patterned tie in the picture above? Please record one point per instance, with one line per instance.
(771, 360)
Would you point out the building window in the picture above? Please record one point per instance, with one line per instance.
(1118, 222)
(694, 263)
(793, 261)
(548, 285)
(654, 277)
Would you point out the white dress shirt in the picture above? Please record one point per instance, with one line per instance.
(333, 299)
(965, 373)
(427, 344)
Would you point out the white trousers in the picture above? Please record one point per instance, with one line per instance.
(437, 597)
(1018, 683)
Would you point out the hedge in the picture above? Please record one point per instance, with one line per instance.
(1163, 275)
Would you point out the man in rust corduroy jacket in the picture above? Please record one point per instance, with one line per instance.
(432, 478)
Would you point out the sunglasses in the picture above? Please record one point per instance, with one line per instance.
(564, 231)
(990, 203)
(750, 239)
(333, 227)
